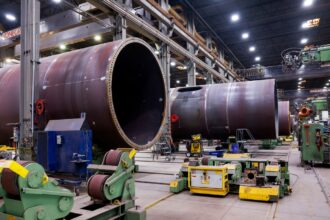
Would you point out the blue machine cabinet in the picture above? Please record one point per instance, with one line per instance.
(65, 147)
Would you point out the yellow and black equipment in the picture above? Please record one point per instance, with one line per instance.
(210, 180)
(196, 147)
(252, 178)
(263, 187)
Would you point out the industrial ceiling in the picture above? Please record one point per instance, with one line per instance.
(268, 26)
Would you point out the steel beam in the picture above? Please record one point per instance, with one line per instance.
(175, 47)
(209, 77)
(72, 35)
(191, 48)
(155, 12)
(165, 58)
(29, 77)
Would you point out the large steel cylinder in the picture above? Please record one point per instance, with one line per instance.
(119, 85)
(284, 122)
(217, 111)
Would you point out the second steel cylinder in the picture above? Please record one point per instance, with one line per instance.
(284, 121)
(217, 111)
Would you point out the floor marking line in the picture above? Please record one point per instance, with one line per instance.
(158, 201)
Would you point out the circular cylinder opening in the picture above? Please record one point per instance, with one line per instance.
(250, 176)
(138, 94)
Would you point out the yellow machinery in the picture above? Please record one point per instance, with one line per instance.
(7, 152)
(196, 147)
(264, 187)
(266, 193)
(236, 156)
(210, 180)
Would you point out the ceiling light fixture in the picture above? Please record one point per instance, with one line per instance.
(304, 41)
(178, 81)
(62, 46)
(252, 48)
(257, 58)
(245, 35)
(57, 1)
(300, 79)
(308, 3)
(173, 63)
(10, 17)
(234, 17)
(304, 25)
(97, 37)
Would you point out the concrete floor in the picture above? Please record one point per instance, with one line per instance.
(306, 202)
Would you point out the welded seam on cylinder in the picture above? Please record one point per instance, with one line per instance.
(227, 100)
(73, 83)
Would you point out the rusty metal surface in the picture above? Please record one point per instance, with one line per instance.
(119, 85)
(216, 111)
(284, 122)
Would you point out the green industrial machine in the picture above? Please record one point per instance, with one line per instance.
(319, 54)
(252, 178)
(234, 175)
(320, 105)
(270, 143)
(315, 143)
(112, 188)
(28, 194)
(180, 183)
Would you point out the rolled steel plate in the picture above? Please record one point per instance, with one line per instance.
(217, 111)
(119, 85)
(95, 186)
(284, 121)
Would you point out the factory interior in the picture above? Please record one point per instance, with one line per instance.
(164, 109)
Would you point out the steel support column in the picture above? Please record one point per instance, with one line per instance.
(121, 28)
(121, 23)
(165, 58)
(191, 66)
(209, 77)
(30, 24)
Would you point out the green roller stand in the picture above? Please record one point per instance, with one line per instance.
(38, 199)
